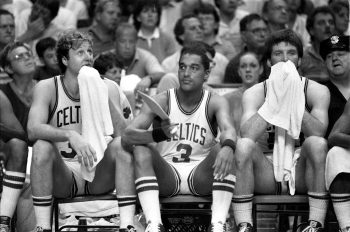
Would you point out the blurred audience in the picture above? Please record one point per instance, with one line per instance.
(249, 70)
(276, 14)
(230, 16)
(7, 35)
(102, 30)
(146, 19)
(210, 20)
(336, 52)
(341, 13)
(297, 18)
(189, 29)
(108, 66)
(46, 50)
(254, 32)
(320, 25)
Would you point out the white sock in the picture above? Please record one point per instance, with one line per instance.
(42, 209)
(318, 204)
(242, 208)
(12, 187)
(148, 192)
(222, 196)
(341, 205)
(126, 210)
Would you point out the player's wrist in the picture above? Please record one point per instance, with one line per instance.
(158, 135)
(229, 143)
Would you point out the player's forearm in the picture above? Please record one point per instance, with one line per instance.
(311, 126)
(340, 140)
(253, 127)
(48, 132)
(137, 136)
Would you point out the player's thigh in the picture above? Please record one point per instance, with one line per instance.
(104, 180)
(62, 175)
(167, 176)
(264, 178)
(202, 176)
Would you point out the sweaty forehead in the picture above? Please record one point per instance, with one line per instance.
(5, 19)
(283, 46)
(190, 59)
(84, 44)
(191, 22)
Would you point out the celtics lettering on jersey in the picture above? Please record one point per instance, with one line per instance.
(68, 115)
(190, 132)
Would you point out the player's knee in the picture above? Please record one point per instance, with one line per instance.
(244, 152)
(316, 149)
(123, 156)
(19, 151)
(42, 153)
(142, 155)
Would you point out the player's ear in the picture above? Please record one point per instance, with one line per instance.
(261, 69)
(299, 62)
(8, 69)
(65, 61)
(206, 74)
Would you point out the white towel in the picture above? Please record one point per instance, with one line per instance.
(284, 107)
(96, 119)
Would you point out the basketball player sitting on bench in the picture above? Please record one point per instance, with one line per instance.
(189, 161)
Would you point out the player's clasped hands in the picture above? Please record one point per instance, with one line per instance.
(223, 163)
(86, 154)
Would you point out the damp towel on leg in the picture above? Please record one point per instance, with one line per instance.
(284, 107)
(95, 113)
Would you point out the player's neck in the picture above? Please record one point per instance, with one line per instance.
(189, 99)
(70, 82)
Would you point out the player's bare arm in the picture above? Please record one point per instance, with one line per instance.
(137, 132)
(316, 122)
(224, 160)
(39, 129)
(10, 127)
(252, 124)
(340, 134)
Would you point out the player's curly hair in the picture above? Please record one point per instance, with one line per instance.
(69, 39)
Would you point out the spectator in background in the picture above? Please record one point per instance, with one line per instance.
(297, 19)
(7, 28)
(341, 13)
(210, 19)
(320, 25)
(64, 18)
(78, 7)
(46, 50)
(37, 22)
(102, 30)
(146, 19)
(188, 29)
(13, 135)
(7, 35)
(336, 53)
(254, 33)
(249, 70)
(276, 14)
(230, 17)
(338, 169)
(108, 66)
(17, 60)
(171, 12)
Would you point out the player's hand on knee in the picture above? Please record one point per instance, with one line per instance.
(85, 152)
(223, 163)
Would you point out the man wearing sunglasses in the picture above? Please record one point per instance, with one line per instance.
(18, 62)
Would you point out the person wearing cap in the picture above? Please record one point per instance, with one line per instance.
(336, 55)
(338, 169)
(336, 52)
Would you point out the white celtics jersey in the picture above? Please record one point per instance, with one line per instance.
(65, 114)
(195, 135)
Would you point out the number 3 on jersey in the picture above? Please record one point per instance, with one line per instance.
(69, 154)
(185, 155)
